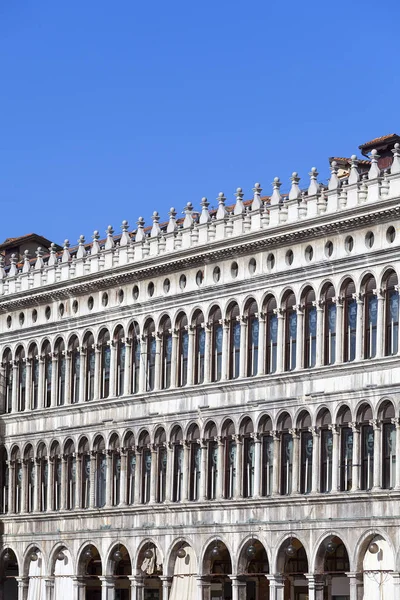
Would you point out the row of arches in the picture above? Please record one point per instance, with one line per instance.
(340, 326)
(253, 570)
(290, 455)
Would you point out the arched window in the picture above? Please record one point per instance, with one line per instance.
(271, 324)
(101, 472)
(42, 465)
(84, 455)
(370, 317)
(391, 315)
(246, 431)
(8, 380)
(329, 325)
(144, 449)
(216, 344)
(267, 457)
(324, 420)
(234, 341)
(285, 427)
(367, 447)
(346, 450)
(183, 349)
(134, 335)
(306, 453)
(212, 460)
(69, 453)
(199, 346)
(55, 457)
(310, 329)
(129, 446)
(229, 440)
(195, 462)
(29, 460)
(350, 322)
(75, 358)
(166, 353)
(178, 452)
(16, 479)
(21, 378)
(161, 457)
(289, 306)
(150, 344)
(387, 415)
(59, 351)
(33, 358)
(90, 356)
(252, 338)
(115, 469)
(4, 481)
(48, 368)
(105, 362)
(119, 341)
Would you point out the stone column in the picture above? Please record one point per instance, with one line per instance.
(23, 583)
(153, 473)
(38, 483)
(50, 484)
(97, 372)
(280, 340)
(300, 337)
(191, 345)
(296, 461)
(78, 481)
(82, 374)
(63, 499)
(166, 586)
(15, 385)
(49, 588)
(127, 369)
(93, 469)
(355, 458)
(335, 457)
(107, 587)
(396, 585)
(380, 324)
(186, 472)
(356, 585)
(28, 391)
(123, 478)
(243, 346)
(174, 359)
(204, 471)
(207, 353)
(276, 587)
(360, 326)
(54, 380)
(203, 589)
(339, 329)
(138, 476)
(109, 478)
(396, 422)
(238, 492)
(170, 468)
(257, 465)
(143, 365)
(238, 588)
(41, 382)
(319, 358)
(113, 369)
(157, 363)
(225, 350)
(376, 484)
(261, 344)
(11, 486)
(276, 463)
(67, 398)
(79, 588)
(137, 587)
(315, 587)
(315, 461)
(24, 486)
(221, 469)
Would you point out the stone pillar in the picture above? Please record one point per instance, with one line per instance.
(356, 457)
(396, 422)
(78, 481)
(186, 472)
(221, 469)
(376, 484)
(166, 586)
(339, 329)
(300, 337)
(238, 588)
(157, 362)
(79, 588)
(153, 474)
(38, 483)
(67, 392)
(276, 587)
(356, 585)
(319, 356)
(169, 474)
(225, 350)
(15, 385)
(137, 587)
(315, 587)
(138, 476)
(97, 372)
(261, 344)
(243, 346)
(396, 585)
(238, 492)
(113, 369)
(23, 583)
(127, 369)
(143, 365)
(203, 589)
(360, 326)
(49, 588)
(11, 486)
(123, 478)
(24, 486)
(335, 457)
(107, 587)
(64, 483)
(41, 382)
(280, 340)
(28, 383)
(109, 478)
(316, 456)
(296, 461)
(257, 465)
(380, 324)
(93, 469)
(54, 380)
(82, 374)
(204, 473)
(276, 463)
(207, 353)
(191, 347)
(174, 359)
(50, 484)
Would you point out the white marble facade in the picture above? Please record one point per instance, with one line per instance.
(209, 408)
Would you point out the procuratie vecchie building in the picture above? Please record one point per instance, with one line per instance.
(209, 408)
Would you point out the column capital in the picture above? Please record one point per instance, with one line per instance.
(256, 437)
(355, 427)
(375, 423)
(334, 428)
(396, 421)
(314, 431)
(294, 433)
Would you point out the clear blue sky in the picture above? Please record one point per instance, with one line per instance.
(110, 110)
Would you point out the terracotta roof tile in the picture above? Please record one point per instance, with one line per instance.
(378, 140)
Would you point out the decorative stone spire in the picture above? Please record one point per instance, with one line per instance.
(205, 215)
(294, 190)
(276, 195)
(95, 245)
(66, 255)
(39, 264)
(221, 211)
(188, 212)
(26, 267)
(13, 265)
(395, 168)
(257, 203)
(155, 230)
(125, 238)
(110, 238)
(354, 176)
(81, 252)
(53, 255)
(171, 227)
(239, 208)
(374, 170)
(140, 230)
(334, 182)
(313, 188)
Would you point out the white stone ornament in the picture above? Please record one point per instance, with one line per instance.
(188, 212)
(205, 215)
(295, 191)
(81, 252)
(125, 237)
(221, 211)
(239, 207)
(257, 202)
(276, 195)
(110, 238)
(354, 176)
(155, 230)
(140, 235)
(313, 188)
(374, 170)
(171, 227)
(334, 182)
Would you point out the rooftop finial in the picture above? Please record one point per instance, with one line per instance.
(188, 212)
(395, 168)
(374, 170)
(26, 267)
(276, 195)
(294, 190)
(172, 220)
(334, 183)
(354, 176)
(53, 255)
(66, 255)
(256, 204)
(205, 215)
(239, 207)
(81, 252)
(39, 264)
(313, 188)
(110, 238)
(95, 246)
(125, 239)
(221, 211)
(13, 265)
(140, 230)
(155, 230)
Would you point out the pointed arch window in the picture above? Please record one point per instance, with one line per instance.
(234, 342)
(326, 468)
(391, 315)
(21, 378)
(120, 352)
(252, 338)
(8, 380)
(370, 318)
(166, 353)
(286, 454)
(216, 344)
(194, 463)
(144, 445)
(199, 347)
(290, 331)
(90, 365)
(55, 457)
(105, 363)
(329, 326)
(135, 358)
(75, 369)
(248, 458)
(183, 350)
(350, 322)
(310, 329)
